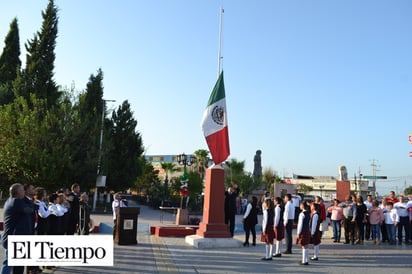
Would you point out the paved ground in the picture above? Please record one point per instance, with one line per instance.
(173, 255)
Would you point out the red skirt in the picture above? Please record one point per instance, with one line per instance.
(303, 238)
(315, 240)
(268, 236)
(280, 231)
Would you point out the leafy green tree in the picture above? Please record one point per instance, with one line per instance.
(149, 186)
(247, 183)
(37, 77)
(202, 160)
(408, 190)
(9, 63)
(31, 147)
(304, 188)
(233, 170)
(127, 147)
(268, 177)
(148, 177)
(195, 188)
(84, 136)
(168, 168)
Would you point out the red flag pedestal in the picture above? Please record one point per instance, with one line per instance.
(213, 232)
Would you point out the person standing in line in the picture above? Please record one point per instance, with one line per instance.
(84, 220)
(268, 233)
(391, 221)
(303, 232)
(315, 233)
(56, 215)
(29, 200)
(116, 205)
(375, 220)
(230, 207)
(361, 215)
(336, 217)
(409, 205)
(73, 199)
(62, 200)
(368, 204)
(322, 215)
(262, 201)
(296, 199)
(278, 226)
(43, 225)
(391, 197)
(16, 222)
(250, 220)
(288, 218)
(402, 210)
(384, 208)
(33, 221)
(349, 215)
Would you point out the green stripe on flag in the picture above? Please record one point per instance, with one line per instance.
(218, 92)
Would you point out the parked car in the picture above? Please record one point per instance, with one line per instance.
(309, 198)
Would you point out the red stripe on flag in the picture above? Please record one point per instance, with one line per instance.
(218, 144)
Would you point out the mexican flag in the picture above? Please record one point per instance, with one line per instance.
(214, 123)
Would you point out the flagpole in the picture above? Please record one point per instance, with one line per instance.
(220, 42)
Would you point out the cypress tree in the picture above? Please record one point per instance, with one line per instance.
(84, 144)
(126, 148)
(37, 77)
(9, 63)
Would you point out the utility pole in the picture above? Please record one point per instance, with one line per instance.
(356, 184)
(360, 180)
(374, 170)
(99, 159)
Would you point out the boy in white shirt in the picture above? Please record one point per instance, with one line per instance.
(391, 221)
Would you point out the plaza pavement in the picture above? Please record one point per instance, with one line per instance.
(173, 255)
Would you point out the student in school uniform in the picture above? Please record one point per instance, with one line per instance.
(303, 231)
(268, 233)
(315, 233)
(279, 227)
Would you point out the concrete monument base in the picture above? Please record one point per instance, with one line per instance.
(204, 243)
(182, 216)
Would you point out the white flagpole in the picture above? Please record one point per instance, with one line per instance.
(220, 42)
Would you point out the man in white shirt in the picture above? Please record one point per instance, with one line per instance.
(116, 205)
(402, 210)
(288, 218)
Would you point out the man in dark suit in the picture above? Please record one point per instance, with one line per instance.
(16, 222)
(73, 199)
(230, 207)
(31, 221)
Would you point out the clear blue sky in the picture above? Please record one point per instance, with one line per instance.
(313, 84)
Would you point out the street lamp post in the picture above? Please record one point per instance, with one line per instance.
(321, 187)
(99, 178)
(184, 160)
